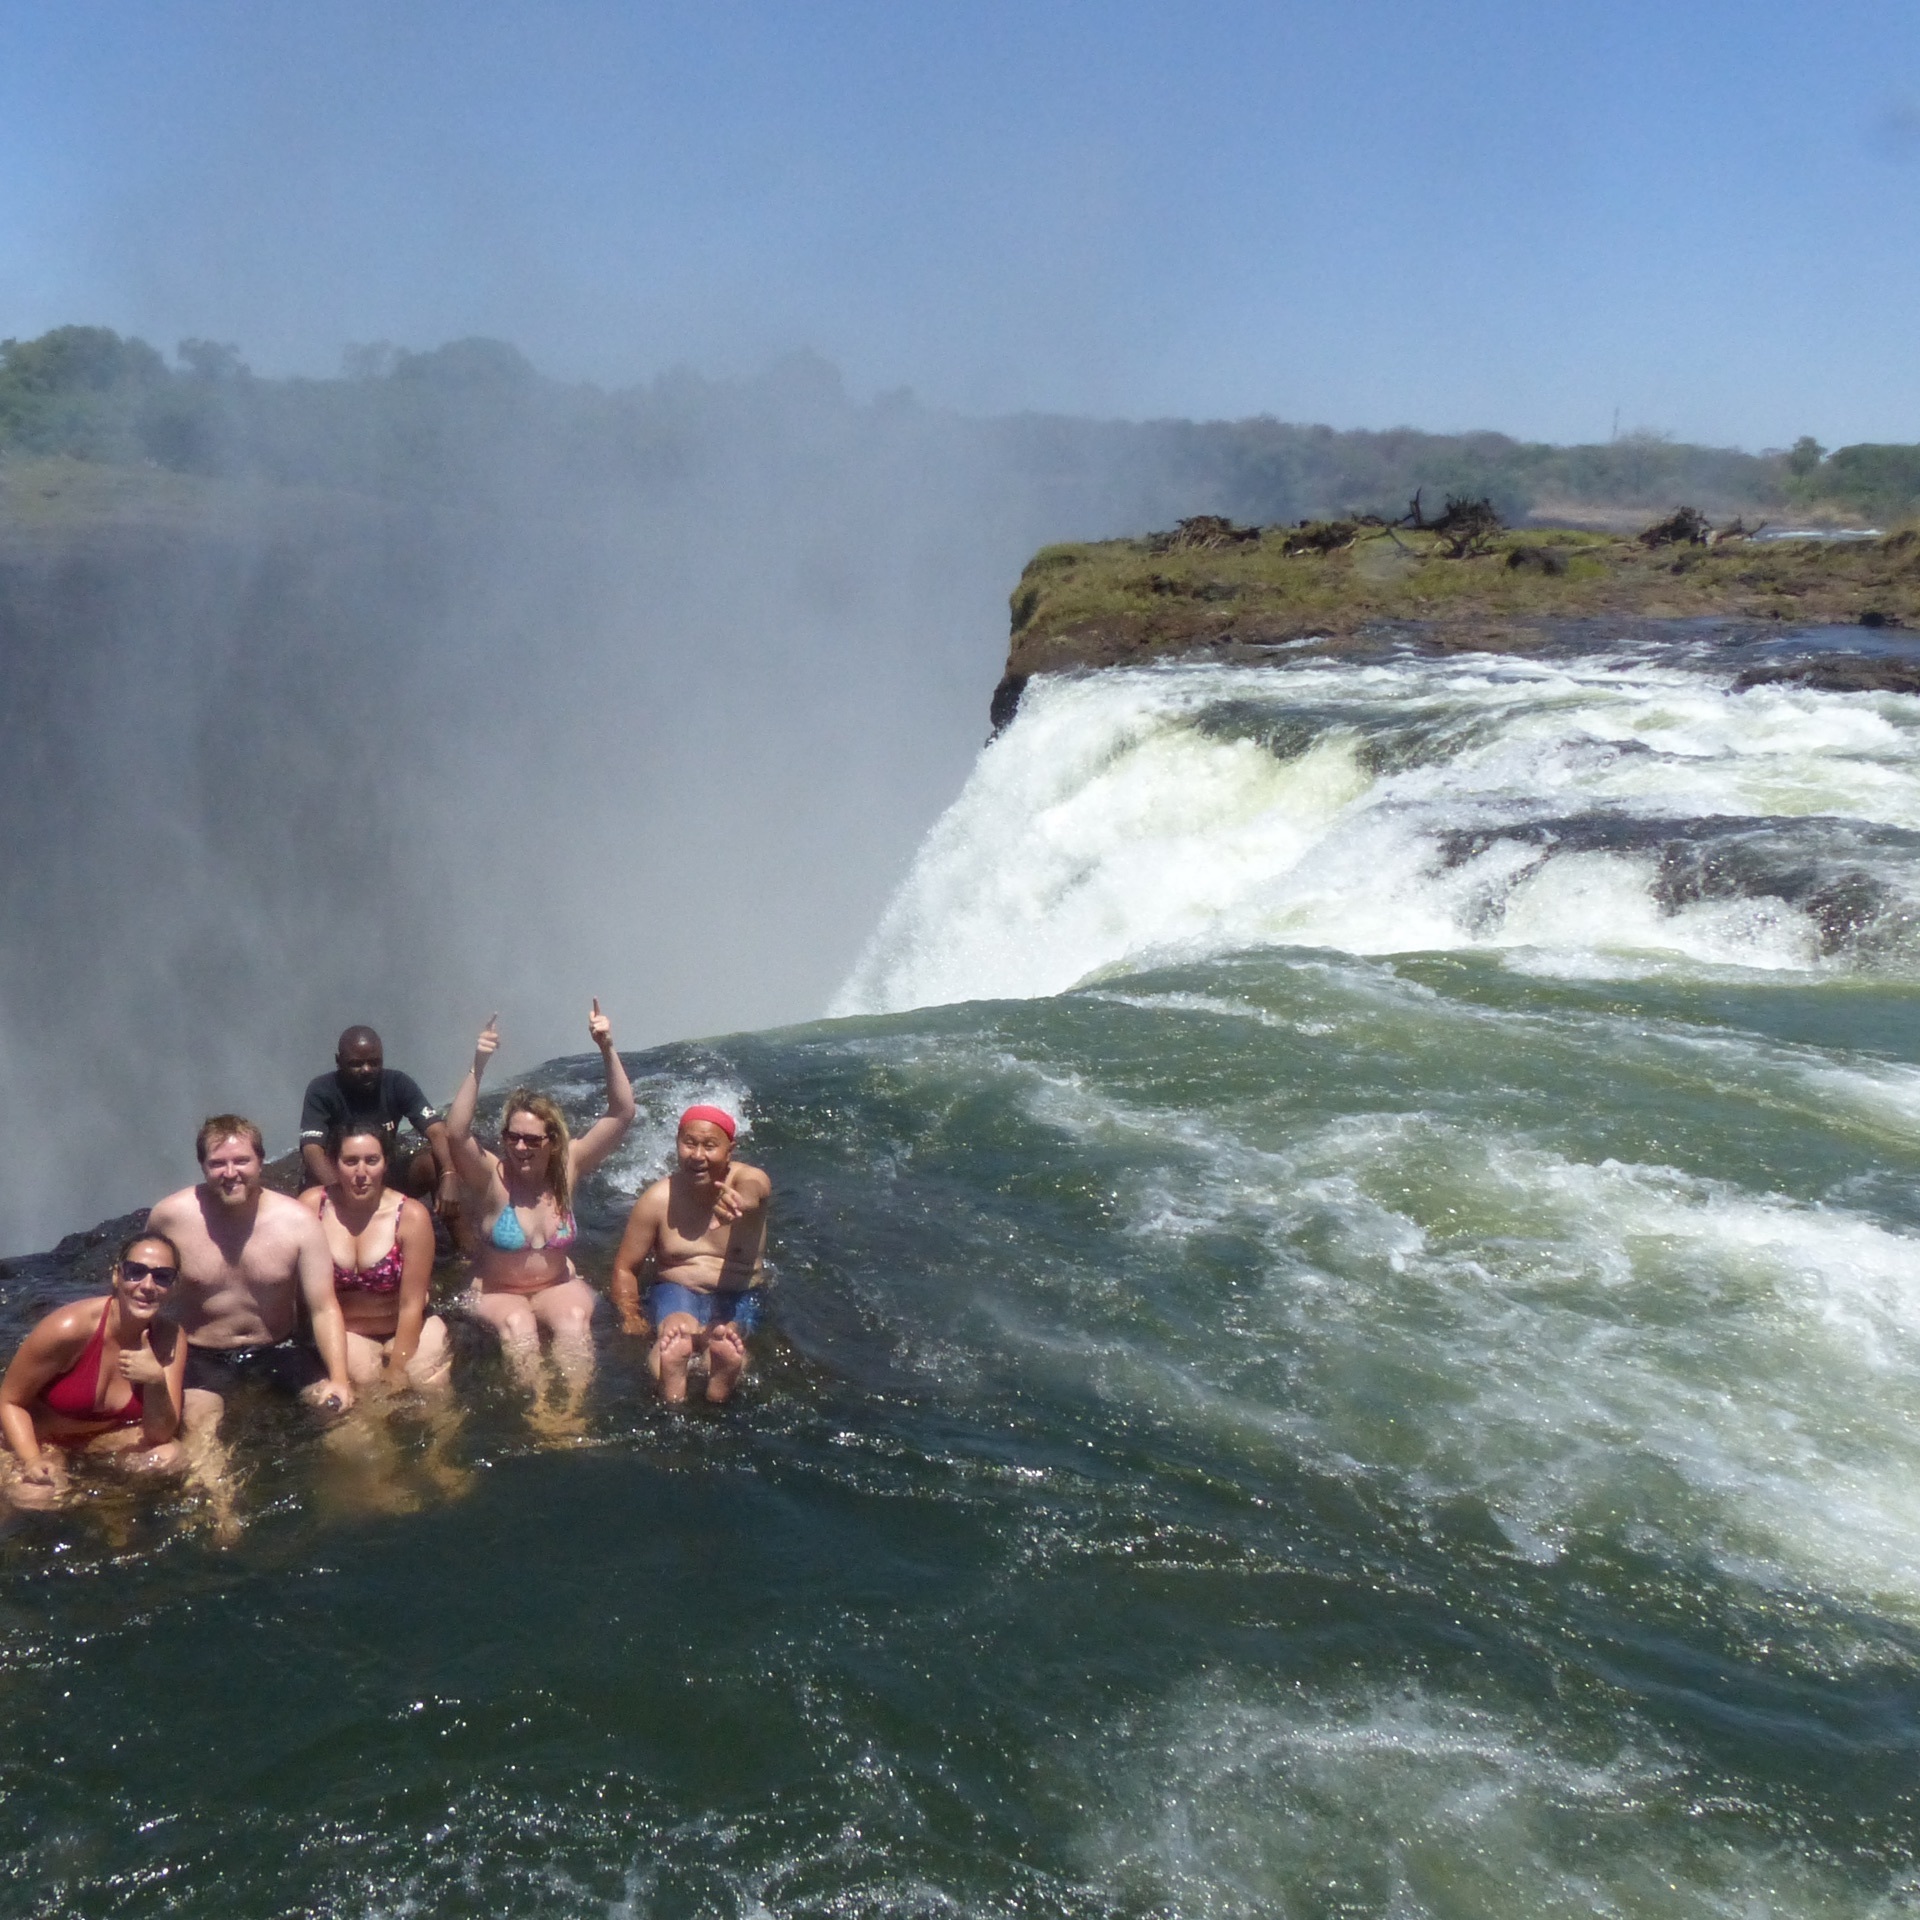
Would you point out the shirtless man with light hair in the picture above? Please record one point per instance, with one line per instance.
(704, 1228)
(248, 1260)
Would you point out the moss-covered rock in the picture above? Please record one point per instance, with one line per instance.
(1124, 601)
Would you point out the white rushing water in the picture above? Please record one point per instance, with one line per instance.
(1581, 816)
(1423, 1808)
(1469, 1303)
(1453, 1306)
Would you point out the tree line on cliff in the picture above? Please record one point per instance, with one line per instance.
(443, 423)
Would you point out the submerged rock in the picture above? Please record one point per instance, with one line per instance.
(1837, 673)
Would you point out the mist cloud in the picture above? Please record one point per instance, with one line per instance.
(406, 698)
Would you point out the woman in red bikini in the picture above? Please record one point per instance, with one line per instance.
(521, 1200)
(382, 1247)
(102, 1376)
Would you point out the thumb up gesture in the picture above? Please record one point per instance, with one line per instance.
(140, 1366)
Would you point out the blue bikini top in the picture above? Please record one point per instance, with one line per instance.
(511, 1237)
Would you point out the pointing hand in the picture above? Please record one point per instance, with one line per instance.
(729, 1203)
(600, 1027)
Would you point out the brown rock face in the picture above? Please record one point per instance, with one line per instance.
(1236, 592)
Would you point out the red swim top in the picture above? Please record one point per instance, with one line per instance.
(80, 1393)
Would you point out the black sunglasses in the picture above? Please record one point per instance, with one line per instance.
(139, 1270)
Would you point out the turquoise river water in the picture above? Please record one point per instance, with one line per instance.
(1347, 1342)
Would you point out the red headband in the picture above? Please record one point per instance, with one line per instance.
(721, 1119)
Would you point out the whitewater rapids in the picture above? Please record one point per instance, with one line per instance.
(1582, 815)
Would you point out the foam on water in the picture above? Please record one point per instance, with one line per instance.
(1609, 1347)
(1454, 1309)
(647, 1151)
(1409, 1804)
(1564, 809)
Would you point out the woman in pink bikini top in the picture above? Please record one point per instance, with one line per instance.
(382, 1248)
(105, 1375)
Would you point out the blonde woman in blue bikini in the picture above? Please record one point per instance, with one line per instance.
(525, 1285)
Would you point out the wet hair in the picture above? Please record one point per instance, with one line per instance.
(547, 1112)
(341, 1131)
(226, 1126)
(140, 1240)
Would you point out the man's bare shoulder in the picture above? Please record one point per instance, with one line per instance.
(652, 1200)
(282, 1213)
(754, 1180)
(175, 1208)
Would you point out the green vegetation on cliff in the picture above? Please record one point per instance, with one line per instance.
(1209, 585)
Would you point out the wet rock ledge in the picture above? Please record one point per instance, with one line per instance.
(1213, 589)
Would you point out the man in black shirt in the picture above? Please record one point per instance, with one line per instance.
(362, 1086)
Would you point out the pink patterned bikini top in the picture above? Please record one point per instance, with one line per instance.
(382, 1277)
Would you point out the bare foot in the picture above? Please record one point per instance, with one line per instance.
(227, 1524)
(555, 1425)
(726, 1361)
(556, 1418)
(116, 1522)
(449, 1481)
(672, 1354)
(363, 1469)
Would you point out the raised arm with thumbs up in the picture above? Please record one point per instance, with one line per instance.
(526, 1285)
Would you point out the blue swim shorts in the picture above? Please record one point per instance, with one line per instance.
(743, 1308)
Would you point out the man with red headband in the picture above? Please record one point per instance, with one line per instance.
(704, 1228)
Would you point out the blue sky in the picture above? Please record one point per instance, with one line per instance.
(1700, 219)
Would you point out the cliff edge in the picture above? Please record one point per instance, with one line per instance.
(1461, 582)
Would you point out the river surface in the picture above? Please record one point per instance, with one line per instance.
(1347, 1342)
